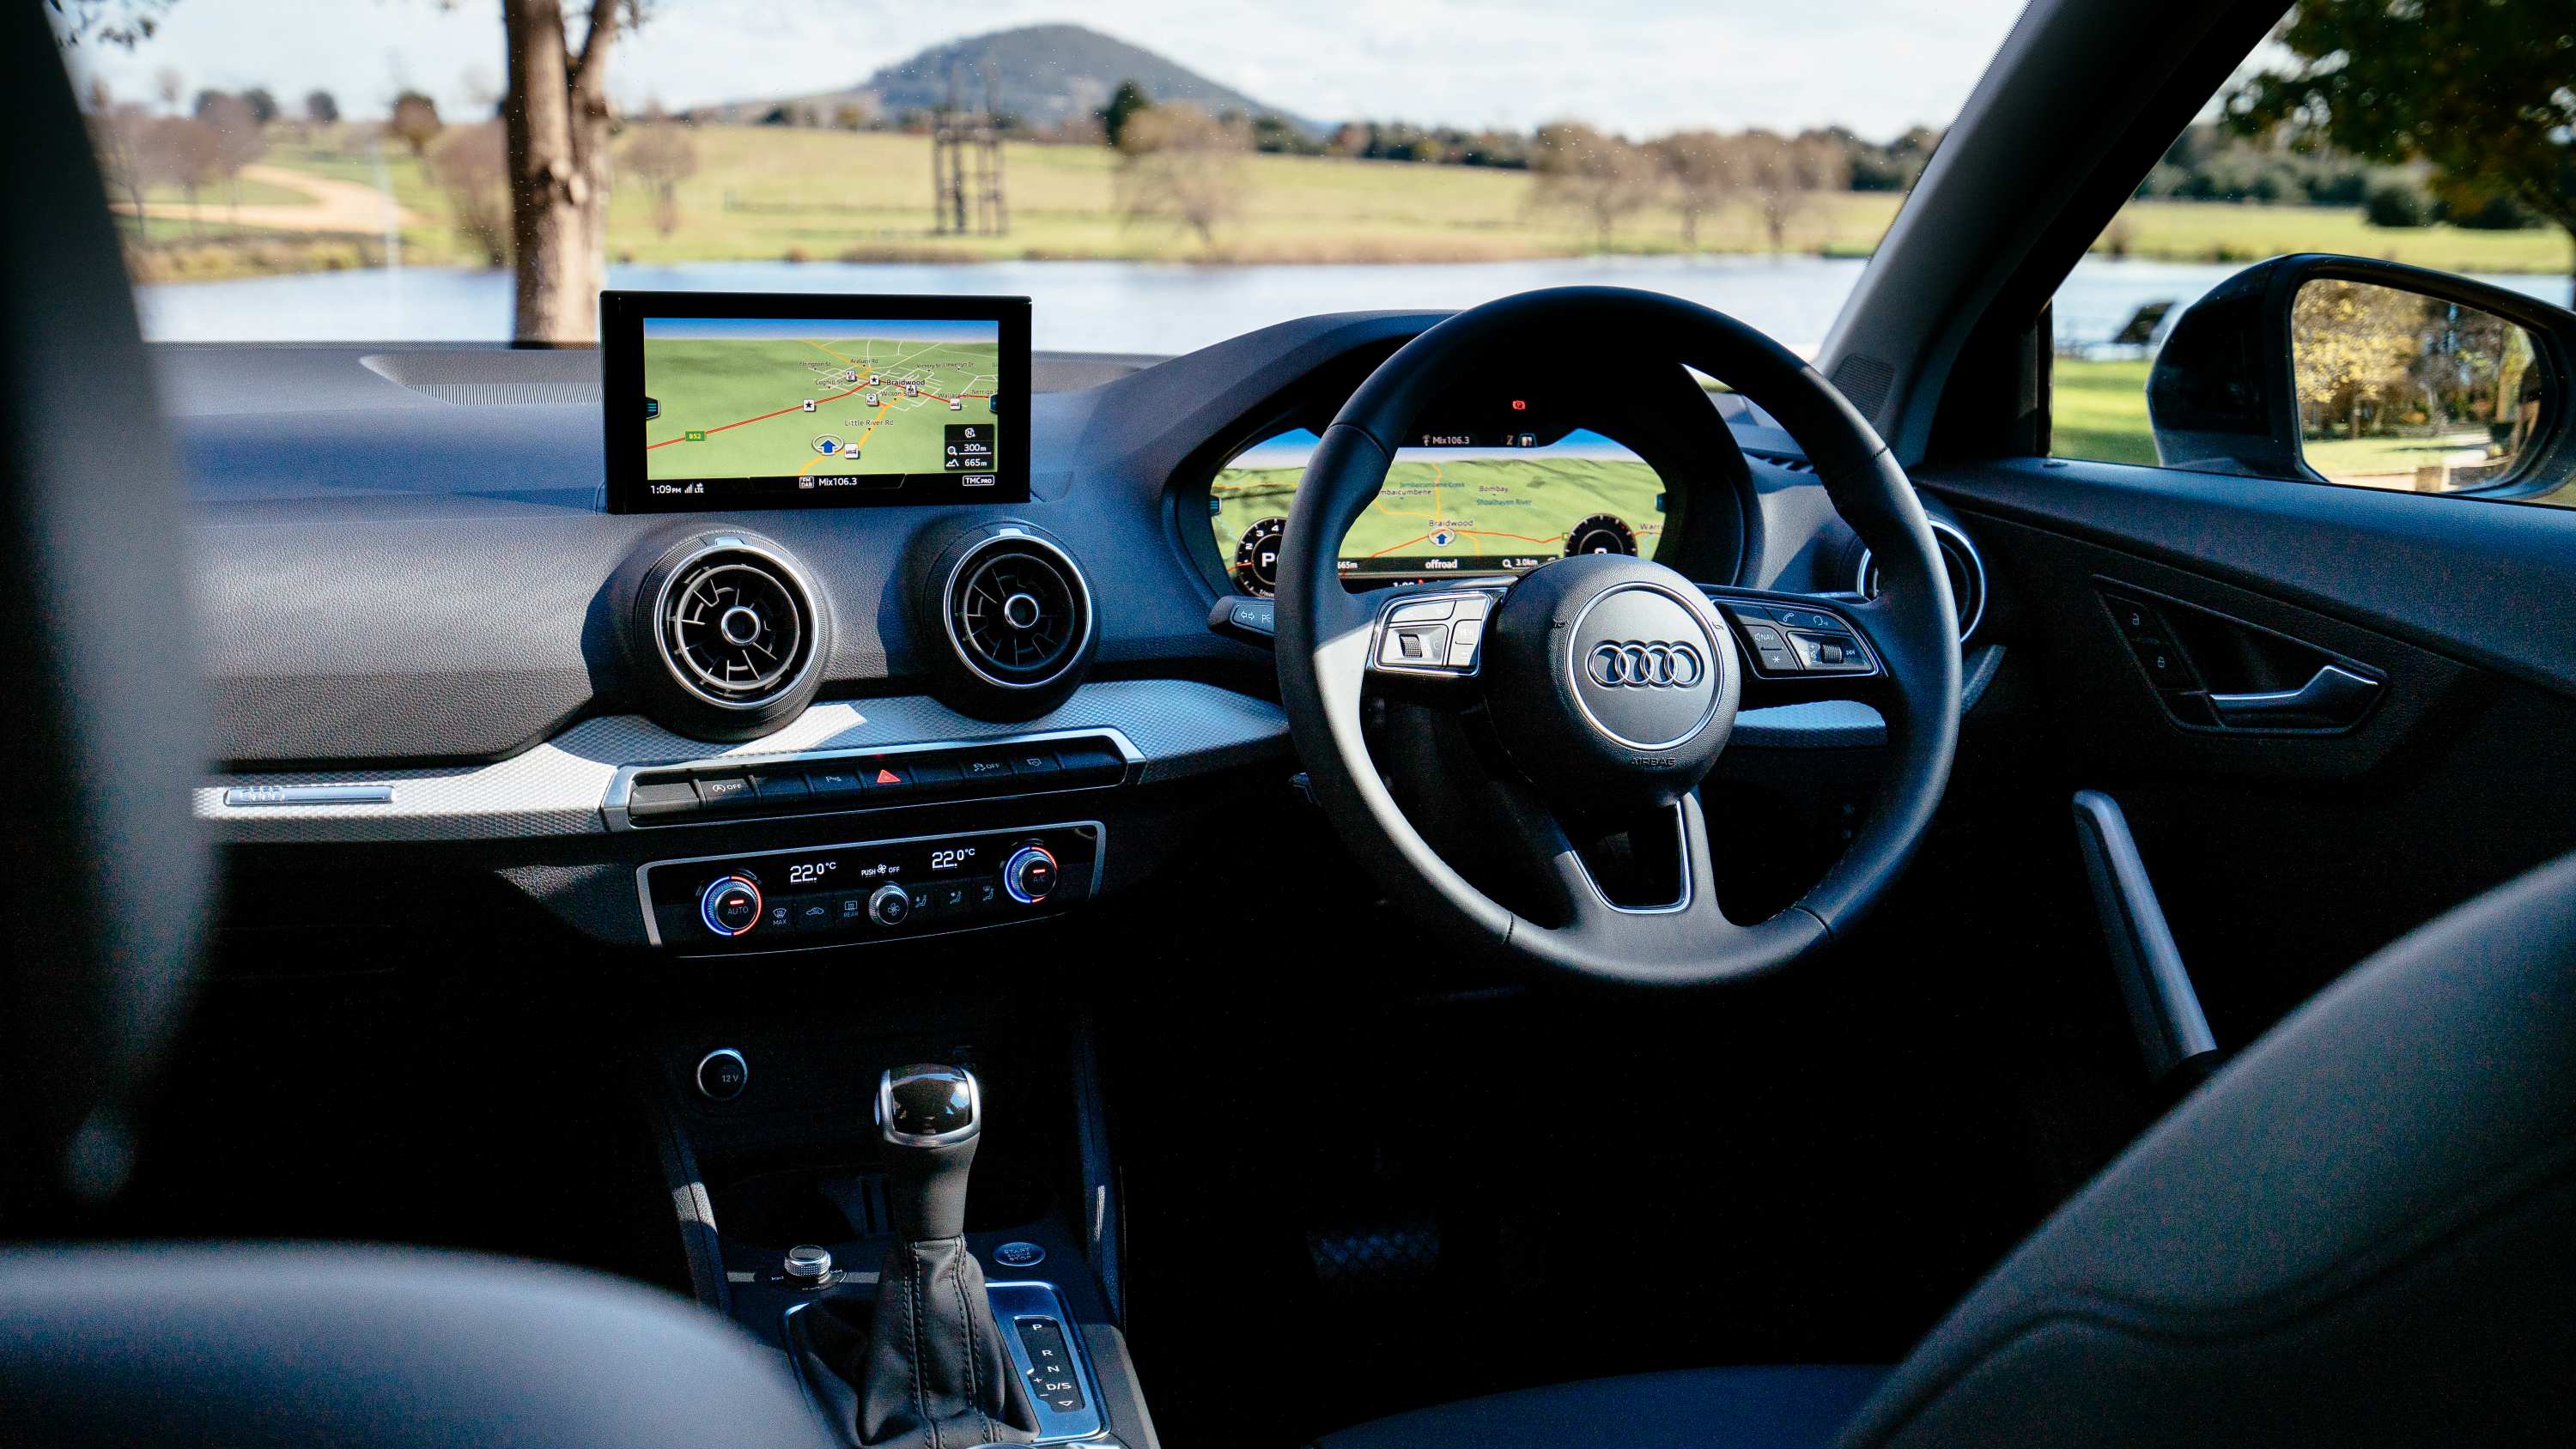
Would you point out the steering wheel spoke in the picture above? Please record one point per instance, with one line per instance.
(1427, 640)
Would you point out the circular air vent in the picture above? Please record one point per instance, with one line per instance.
(1017, 611)
(727, 635)
(732, 628)
(1959, 558)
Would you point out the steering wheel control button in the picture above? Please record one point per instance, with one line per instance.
(730, 905)
(1019, 1255)
(890, 905)
(809, 1267)
(1429, 611)
(1419, 645)
(722, 1074)
(1030, 874)
(1811, 619)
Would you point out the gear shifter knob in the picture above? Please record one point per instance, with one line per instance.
(928, 1119)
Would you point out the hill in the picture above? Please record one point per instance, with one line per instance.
(1042, 73)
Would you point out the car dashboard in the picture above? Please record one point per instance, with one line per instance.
(428, 639)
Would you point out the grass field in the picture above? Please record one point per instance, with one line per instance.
(768, 193)
(2098, 410)
(819, 408)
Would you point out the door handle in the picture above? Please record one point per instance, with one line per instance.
(2335, 698)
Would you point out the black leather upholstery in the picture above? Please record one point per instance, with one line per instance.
(2363, 1230)
(1772, 1407)
(101, 709)
(210, 1345)
(246, 1346)
(934, 1372)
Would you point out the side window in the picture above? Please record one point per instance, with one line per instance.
(2433, 136)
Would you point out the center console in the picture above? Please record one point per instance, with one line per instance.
(874, 890)
(931, 1246)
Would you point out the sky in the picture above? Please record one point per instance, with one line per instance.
(1640, 67)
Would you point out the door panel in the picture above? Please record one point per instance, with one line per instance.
(2285, 855)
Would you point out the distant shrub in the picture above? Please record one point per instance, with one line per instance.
(2396, 204)
(2496, 212)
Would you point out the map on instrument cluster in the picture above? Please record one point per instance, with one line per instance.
(819, 404)
(1480, 504)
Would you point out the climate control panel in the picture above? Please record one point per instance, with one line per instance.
(871, 890)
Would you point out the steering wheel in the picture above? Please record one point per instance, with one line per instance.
(1598, 690)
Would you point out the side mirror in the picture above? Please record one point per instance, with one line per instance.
(2327, 369)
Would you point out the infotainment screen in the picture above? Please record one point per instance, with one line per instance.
(797, 400)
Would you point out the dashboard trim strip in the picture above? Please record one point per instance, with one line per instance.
(1175, 729)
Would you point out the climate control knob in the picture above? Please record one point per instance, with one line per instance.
(890, 906)
(1030, 874)
(730, 905)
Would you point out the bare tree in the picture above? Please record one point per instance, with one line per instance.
(661, 154)
(169, 85)
(1600, 176)
(1179, 164)
(471, 165)
(1784, 174)
(183, 151)
(239, 138)
(115, 131)
(559, 116)
(1701, 169)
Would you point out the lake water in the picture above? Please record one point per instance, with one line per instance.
(1137, 307)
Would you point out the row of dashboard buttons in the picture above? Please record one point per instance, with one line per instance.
(953, 901)
(862, 784)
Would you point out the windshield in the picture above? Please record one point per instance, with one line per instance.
(1156, 177)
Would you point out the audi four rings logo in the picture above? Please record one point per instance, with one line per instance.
(1630, 664)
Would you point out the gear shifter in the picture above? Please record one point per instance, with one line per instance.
(936, 1372)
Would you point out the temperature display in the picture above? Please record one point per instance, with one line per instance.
(947, 858)
(809, 871)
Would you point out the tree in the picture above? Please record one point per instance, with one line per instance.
(239, 138)
(1599, 176)
(471, 165)
(415, 122)
(558, 114)
(1125, 104)
(1180, 164)
(116, 132)
(262, 105)
(185, 152)
(169, 86)
(661, 155)
(1700, 168)
(2351, 343)
(1784, 173)
(2481, 91)
(322, 109)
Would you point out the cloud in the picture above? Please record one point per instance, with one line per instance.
(1628, 65)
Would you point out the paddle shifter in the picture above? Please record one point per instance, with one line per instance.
(936, 1372)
